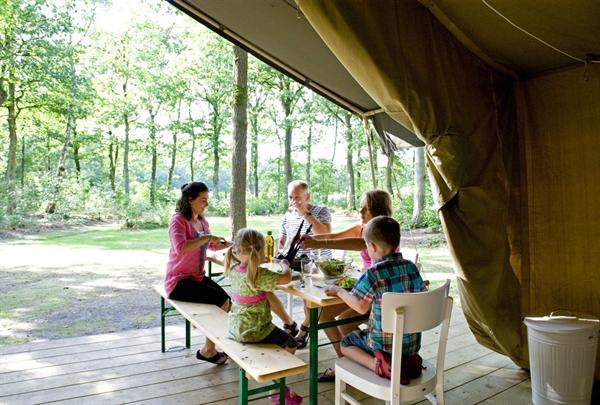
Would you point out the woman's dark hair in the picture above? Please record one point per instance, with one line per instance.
(189, 191)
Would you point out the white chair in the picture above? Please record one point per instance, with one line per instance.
(402, 313)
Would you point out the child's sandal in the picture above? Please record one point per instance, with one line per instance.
(302, 340)
(291, 398)
(291, 328)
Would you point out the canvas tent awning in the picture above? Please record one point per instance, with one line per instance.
(506, 96)
(274, 32)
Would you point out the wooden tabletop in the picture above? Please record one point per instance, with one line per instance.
(313, 292)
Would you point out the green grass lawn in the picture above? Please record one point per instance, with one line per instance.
(114, 237)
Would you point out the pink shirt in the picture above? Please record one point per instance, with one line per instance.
(181, 264)
(367, 262)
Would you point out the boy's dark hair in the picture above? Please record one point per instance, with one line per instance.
(383, 231)
(189, 191)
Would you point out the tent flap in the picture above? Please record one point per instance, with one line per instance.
(410, 64)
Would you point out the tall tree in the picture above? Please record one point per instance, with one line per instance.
(215, 89)
(237, 196)
(289, 93)
(389, 172)
(419, 188)
(31, 53)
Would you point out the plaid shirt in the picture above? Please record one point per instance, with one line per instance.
(391, 273)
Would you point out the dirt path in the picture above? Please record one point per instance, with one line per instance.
(53, 291)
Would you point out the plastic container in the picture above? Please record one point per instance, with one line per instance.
(562, 356)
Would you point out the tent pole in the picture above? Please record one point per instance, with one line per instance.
(368, 134)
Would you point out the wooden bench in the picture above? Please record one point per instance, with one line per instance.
(259, 362)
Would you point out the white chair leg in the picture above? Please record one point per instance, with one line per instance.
(339, 387)
(439, 392)
(431, 398)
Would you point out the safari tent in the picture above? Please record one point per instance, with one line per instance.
(505, 96)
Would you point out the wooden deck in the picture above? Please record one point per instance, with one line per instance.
(128, 367)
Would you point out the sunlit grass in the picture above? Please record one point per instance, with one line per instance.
(114, 237)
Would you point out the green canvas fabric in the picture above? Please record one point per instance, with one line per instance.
(465, 112)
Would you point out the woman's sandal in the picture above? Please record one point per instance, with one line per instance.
(291, 328)
(327, 376)
(291, 398)
(219, 358)
(302, 340)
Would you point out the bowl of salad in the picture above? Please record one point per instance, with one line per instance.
(346, 282)
(331, 267)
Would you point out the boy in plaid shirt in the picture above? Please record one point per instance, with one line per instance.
(389, 273)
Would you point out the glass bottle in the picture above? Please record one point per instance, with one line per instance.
(269, 246)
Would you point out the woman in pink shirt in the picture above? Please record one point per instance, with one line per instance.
(190, 238)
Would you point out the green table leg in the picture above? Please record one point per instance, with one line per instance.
(243, 388)
(162, 324)
(188, 334)
(313, 362)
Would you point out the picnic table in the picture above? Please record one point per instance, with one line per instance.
(313, 294)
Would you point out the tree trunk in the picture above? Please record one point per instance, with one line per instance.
(174, 150)
(216, 126)
(113, 146)
(11, 161)
(126, 157)
(350, 163)
(60, 172)
(154, 155)
(76, 158)
(308, 153)
(11, 166)
(22, 161)
(254, 154)
(193, 136)
(287, 150)
(237, 196)
(389, 173)
(419, 190)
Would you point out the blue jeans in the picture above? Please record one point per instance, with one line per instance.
(357, 338)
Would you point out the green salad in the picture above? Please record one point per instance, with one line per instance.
(331, 267)
(347, 282)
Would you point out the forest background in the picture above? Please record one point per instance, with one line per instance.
(107, 108)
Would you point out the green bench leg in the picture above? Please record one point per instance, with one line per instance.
(162, 324)
(245, 392)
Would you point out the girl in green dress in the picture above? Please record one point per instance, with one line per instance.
(250, 315)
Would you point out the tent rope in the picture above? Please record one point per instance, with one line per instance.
(530, 34)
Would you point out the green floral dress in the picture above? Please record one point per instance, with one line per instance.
(251, 322)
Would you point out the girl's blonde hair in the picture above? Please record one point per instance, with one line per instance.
(250, 242)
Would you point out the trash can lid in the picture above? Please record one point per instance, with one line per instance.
(561, 324)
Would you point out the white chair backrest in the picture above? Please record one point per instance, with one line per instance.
(422, 310)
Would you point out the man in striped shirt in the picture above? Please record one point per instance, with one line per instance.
(300, 209)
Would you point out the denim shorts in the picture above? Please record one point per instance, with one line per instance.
(357, 338)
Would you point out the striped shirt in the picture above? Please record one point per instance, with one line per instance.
(291, 222)
(391, 273)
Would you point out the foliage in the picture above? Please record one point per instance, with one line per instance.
(145, 94)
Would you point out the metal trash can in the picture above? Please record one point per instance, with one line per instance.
(562, 356)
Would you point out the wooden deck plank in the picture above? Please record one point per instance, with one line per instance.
(129, 367)
(519, 394)
(172, 335)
